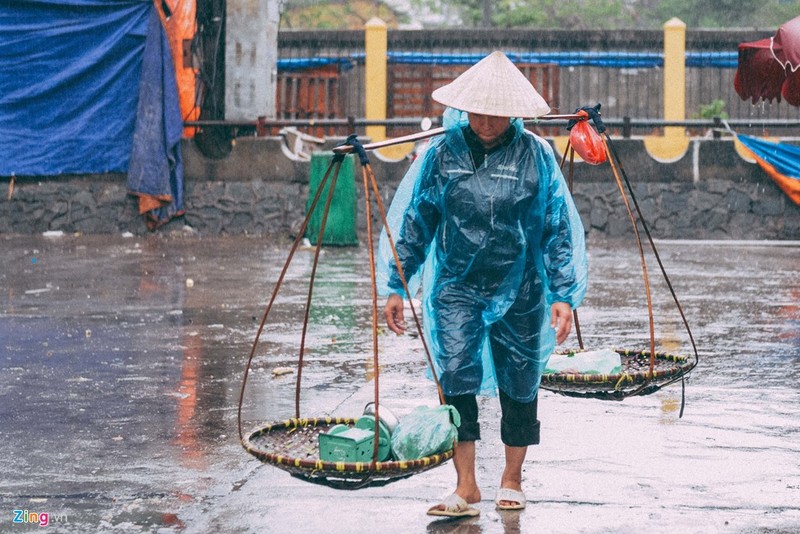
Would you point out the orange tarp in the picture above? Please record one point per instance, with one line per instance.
(181, 24)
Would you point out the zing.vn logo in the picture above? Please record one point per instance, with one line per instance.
(42, 519)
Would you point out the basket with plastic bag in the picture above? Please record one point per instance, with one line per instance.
(425, 431)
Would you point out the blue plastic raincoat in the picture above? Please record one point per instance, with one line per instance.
(499, 244)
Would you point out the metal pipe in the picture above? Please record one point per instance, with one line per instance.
(411, 121)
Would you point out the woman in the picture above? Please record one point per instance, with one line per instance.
(486, 210)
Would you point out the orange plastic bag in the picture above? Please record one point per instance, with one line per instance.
(587, 142)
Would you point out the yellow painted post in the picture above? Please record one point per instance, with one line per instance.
(375, 45)
(675, 142)
(674, 74)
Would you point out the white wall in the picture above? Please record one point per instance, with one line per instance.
(251, 58)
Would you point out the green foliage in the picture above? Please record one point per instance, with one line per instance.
(574, 15)
(725, 13)
(334, 14)
(716, 108)
(617, 14)
(561, 14)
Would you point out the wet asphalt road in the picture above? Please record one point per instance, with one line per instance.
(121, 361)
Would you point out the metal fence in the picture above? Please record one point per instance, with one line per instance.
(622, 70)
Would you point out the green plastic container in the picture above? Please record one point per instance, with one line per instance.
(340, 227)
(367, 422)
(343, 443)
(346, 444)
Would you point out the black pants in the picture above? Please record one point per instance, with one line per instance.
(519, 426)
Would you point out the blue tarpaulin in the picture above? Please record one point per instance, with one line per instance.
(68, 85)
(781, 161)
(77, 80)
(784, 157)
(155, 173)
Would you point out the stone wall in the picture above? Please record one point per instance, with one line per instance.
(262, 188)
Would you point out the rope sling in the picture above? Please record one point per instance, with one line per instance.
(293, 444)
(643, 372)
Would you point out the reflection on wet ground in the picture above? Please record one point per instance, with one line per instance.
(121, 361)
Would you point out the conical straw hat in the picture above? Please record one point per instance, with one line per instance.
(493, 86)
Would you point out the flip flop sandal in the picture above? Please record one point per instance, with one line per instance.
(508, 495)
(454, 506)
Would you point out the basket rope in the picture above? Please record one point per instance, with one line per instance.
(300, 233)
(372, 473)
(627, 383)
(619, 176)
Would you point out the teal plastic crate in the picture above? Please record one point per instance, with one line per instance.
(345, 444)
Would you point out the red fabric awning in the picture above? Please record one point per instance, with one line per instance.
(769, 69)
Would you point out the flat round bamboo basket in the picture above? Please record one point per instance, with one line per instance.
(293, 445)
(635, 378)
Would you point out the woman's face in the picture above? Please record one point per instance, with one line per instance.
(488, 128)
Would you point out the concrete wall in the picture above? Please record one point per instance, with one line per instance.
(251, 58)
(709, 193)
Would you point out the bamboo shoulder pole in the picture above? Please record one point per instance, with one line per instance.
(419, 136)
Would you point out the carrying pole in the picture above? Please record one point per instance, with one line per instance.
(419, 136)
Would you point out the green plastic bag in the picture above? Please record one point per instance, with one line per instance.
(425, 431)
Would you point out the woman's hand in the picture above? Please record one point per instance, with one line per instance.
(561, 320)
(394, 314)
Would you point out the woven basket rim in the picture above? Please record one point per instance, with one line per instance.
(319, 468)
(682, 365)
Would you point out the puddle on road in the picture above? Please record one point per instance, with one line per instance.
(119, 374)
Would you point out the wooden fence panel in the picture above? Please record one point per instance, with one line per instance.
(319, 93)
(310, 94)
(410, 87)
